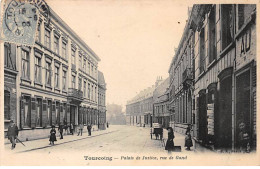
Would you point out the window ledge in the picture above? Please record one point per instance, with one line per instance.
(64, 59)
(48, 86)
(201, 74)
(227, 49)
(56, 89)
(26, 80)
(39, 43)
(212, 63)
(64, 91)
(38, 83)
(56, 54)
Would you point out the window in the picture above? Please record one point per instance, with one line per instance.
(227, 16)
(48, 73)
(10, 55)
(202, 50)
(212, 35)
(38, 33)
(56, 79)
(73, 81)
(95, 94)
(244, 12)
(91, 70)
(25, 64)
(88, 91)
(92, 92)
(80, 61)
(38, 70)
(56, 44)
(80, 83)
(85, 89)
(64, 81)
(64, 50)
(73, 53)
(38, 112)
(6, 105)
(84, 65)
(88, 68)
(95, 72)
(47, 40)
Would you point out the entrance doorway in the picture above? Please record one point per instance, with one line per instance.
(224, 118)
(202, 116)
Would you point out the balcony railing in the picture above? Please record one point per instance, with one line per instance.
(75, 94)
(187, 75)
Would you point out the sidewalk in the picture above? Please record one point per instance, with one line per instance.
(44, 143)
(179, 140)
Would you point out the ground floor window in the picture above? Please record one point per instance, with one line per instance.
(38, 112)
(26, 111)
(6, 105)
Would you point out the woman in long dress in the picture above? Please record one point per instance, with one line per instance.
(53, 135)
(170, 144)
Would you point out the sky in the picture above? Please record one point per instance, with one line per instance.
(135, 39)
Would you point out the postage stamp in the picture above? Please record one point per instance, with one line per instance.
(19, 20)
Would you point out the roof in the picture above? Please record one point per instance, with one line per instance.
(161, 90)
(72, 33)
(146, 93)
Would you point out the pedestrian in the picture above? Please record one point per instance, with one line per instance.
(60, 129)
(53, 135)
(89, 129)
(188, 141)
(243, 138)
(107, 125)
(12, 133)
(71, 129)
(80, 129)
(170, 144)
(188, 129)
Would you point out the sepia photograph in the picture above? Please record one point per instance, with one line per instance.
(128, 83)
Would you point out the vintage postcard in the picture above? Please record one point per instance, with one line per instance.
(129, 83)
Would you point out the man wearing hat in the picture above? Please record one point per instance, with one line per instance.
(12, 133)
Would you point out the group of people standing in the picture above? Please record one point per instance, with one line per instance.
(170, 143)
(68, 129)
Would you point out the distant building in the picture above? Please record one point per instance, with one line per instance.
(139, 110)
(161, 113)
(101, 101)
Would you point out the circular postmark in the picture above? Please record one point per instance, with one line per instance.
(19, 17)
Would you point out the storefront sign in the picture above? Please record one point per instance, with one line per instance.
(210, 115)
(246, 47)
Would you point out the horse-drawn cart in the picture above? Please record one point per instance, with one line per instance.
(156, 130)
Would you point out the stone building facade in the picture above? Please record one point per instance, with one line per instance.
(139, 110)
(223, 65)
(53, 82)
(161, 113)
(101, 101)
(181, 74)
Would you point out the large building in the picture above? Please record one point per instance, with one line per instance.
(182, 82)
(53, 82)
(101, 100)
(161, 113)
(222, 75)
(139, 110)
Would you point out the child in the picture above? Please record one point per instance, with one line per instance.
(188, 141)
(53, 135)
